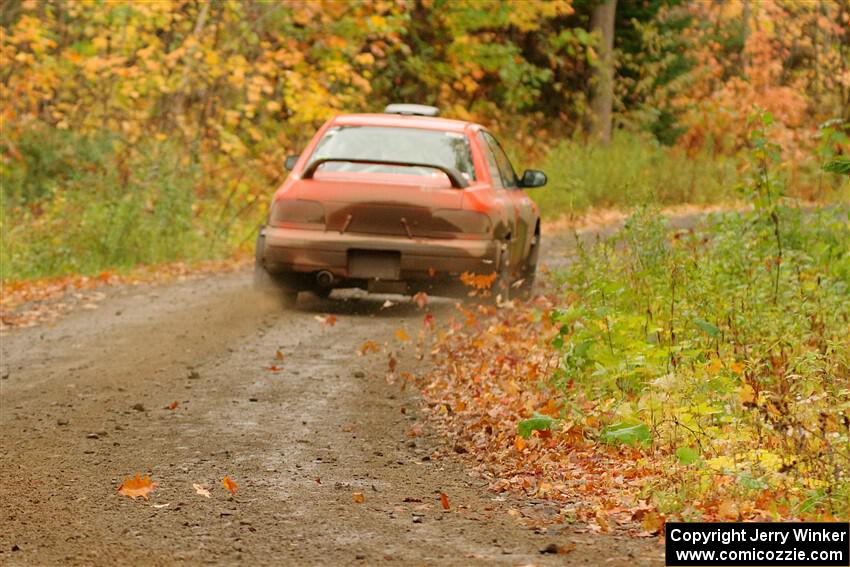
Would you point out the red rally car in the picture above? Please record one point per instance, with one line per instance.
(401, 202)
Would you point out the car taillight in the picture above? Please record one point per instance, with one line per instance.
(298, 211)
(470, 222)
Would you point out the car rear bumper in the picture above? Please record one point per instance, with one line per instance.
(306, 251)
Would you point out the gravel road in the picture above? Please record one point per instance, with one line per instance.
(84, 403)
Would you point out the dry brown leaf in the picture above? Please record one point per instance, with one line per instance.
(358, 498)
(651, 522)
(173, 405)
(367, 347)
(728, 509)
(278, 355)
(229, 484)
(444, 501)
(139, 486)
(201, 490)
(602, 521)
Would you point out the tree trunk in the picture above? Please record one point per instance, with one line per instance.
(602, 22)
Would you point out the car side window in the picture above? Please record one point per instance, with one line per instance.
(509, 179)
(492, 163)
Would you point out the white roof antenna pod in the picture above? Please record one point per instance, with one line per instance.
(412, 109)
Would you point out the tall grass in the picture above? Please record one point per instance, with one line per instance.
(635, 170)
(74, 204)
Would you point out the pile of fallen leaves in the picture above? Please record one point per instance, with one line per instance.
(674, 375)
(490, 377)
(25, 303)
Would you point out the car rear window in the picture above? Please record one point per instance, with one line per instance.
(448, 149)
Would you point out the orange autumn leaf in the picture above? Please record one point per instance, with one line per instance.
(274, 368)
(367, 347)
(478, 281)
(278, 355)
(173, 405)
(402, 335)
(519, 443)
(358, 497)
(428, 320)
(444, 501)
(229, 484)
(135, 487)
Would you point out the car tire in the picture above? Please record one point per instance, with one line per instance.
(264, 282)
(529, 272)
(322, 292)
(501, 288)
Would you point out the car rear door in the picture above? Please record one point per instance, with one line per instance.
(523, 209)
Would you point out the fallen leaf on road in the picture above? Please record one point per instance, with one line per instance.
(444, 501)
(402, 335)
(274, 368)
(327, 320)
(420, 299)
(651, 522)
(318, 480)
(602, 521)
(173, 405)
(367, 347)
(278, 355)
(229, 484)
(135, 487)
(478, 281)
(428, 320)
(358, 497)
(201, 490)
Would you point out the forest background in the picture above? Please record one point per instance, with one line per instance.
(147, 132)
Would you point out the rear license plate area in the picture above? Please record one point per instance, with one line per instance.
(372, 264)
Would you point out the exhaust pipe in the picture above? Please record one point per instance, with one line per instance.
(325, 278)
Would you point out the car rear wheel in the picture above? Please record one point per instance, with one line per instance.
(266, 283)
(501, 288)
(529, 272)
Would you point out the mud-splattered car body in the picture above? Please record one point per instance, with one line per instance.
(400, 203)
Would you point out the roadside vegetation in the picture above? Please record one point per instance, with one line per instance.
(699, 374)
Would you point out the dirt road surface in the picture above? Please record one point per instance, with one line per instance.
(84, 403)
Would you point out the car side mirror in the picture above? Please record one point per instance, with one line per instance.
(532, 178)
(290, 162)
